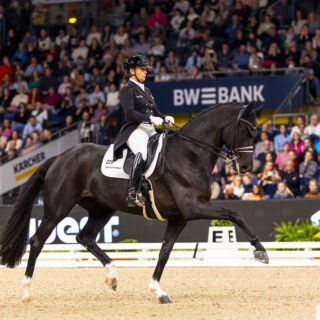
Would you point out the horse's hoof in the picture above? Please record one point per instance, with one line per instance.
(112, 283)
(261, 256)
(26, 299)
(165, 299)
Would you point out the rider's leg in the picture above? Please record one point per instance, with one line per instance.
(138, 143)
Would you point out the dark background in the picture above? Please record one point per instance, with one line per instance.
(260, 215)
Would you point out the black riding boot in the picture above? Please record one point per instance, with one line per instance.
(134, 197)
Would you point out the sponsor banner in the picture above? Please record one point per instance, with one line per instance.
(259, 215)
(188, 96)
(17, 172)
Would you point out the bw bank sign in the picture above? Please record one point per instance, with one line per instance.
(188, 96)
(212, 95)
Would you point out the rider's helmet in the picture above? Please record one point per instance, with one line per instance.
(137, 60)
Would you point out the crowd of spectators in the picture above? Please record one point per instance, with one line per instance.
(286, 165)
(54, 75)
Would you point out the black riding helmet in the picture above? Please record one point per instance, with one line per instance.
(137, 60)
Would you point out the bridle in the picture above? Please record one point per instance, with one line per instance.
(233, 154)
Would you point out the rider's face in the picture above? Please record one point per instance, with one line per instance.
(141, 73)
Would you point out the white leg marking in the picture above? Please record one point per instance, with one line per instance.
(26, 283)
(111, 279)
(155, 287)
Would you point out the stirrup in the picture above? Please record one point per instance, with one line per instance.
(135, 199)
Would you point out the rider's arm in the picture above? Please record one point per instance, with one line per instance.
(127, 103)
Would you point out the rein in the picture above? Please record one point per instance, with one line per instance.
(232, 154)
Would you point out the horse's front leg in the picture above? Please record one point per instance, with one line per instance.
(173, 230)
(209, 210)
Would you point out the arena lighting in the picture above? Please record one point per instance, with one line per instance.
(72, 20)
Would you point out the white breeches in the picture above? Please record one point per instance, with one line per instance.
(138, 140)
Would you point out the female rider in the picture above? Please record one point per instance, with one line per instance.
(142, 115)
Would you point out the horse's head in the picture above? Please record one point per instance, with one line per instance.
(239, 137)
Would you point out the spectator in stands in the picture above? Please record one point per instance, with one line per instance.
(228, 193)
(313, 71)
(289, 38)
(81, 51)
(48, 80)
(65, 84)
(3, 139)
(5, 100)
(238, 188)
(265, 26)
(77, 81)
(20, 55)
(266, 148)
(28, 147)
(299, 22)
(6, 128)
(297, 127)
(283, 156)
(158, 49)
(291, 177)
(21, 117)
(182, 5)
(269, 179)
(224, 58)
(96, 95)
(308, 169)
(282, 191)
(31, 126)
(296, 145)
(313, 129)
(308, 50)
(233, 27)
(313, 190)
(51, 98)
(158, 16)
(281, 138)
(316, 40)
(193, 60)
(257, 193)
(43, 41)
(141, 47)
(14, 139)
(241, 58)
(283, 12)
(21, 97)
(6, 68)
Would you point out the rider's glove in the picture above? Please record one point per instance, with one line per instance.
(157, 121)
(169, 119)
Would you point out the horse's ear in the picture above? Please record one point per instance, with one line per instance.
(259, 109)
(249, 108)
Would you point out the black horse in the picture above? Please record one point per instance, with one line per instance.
(182, 193)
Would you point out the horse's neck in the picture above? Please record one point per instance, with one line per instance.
(207, 129)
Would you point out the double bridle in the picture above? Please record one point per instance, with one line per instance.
(233, 154)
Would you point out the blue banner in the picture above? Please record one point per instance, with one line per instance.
(190, 96)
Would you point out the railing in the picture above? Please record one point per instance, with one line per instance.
(289, 115)
(183, 254)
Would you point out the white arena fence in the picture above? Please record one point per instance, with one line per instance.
(184, 254)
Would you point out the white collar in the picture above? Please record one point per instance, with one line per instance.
(141, 85)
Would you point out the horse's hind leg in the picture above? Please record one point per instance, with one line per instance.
(87, 237)
(50, 219)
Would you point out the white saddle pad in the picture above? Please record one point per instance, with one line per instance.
(114, 169)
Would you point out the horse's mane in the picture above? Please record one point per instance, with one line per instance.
(205, 112)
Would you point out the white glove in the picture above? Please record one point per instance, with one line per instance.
(157, 121)
(169, 119)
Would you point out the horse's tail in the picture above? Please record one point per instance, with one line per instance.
(14, 238)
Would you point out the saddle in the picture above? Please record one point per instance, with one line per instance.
(121, 166)
(152, 147)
